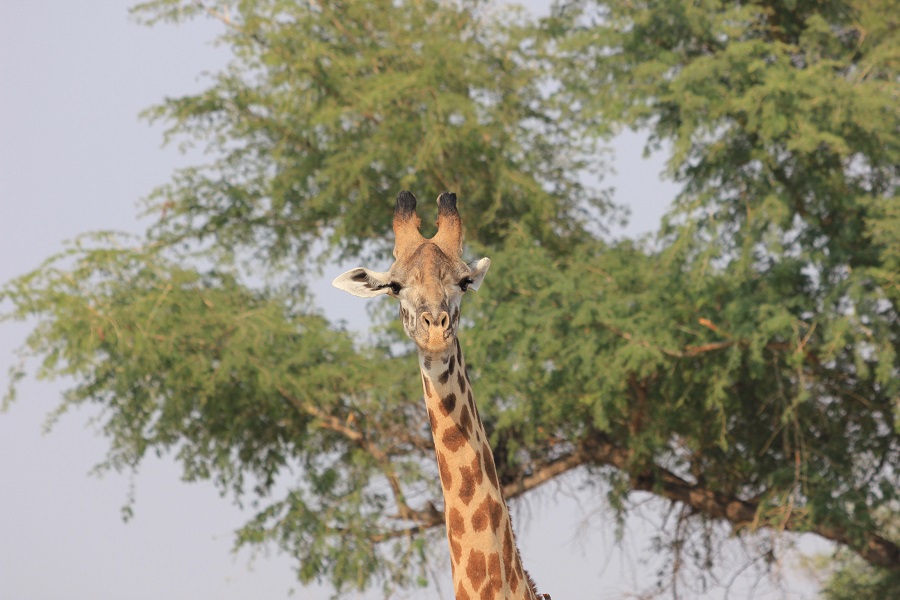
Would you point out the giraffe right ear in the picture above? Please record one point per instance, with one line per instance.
(477, 270)
(363, 282)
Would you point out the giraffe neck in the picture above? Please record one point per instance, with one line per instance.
(483, 554)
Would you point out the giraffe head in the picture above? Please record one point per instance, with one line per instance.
(428, 277)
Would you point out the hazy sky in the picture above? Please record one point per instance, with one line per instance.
(74, 157)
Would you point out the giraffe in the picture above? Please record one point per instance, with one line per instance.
(429, 278)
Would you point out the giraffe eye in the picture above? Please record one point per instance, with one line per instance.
(465, 283)
(395, 287)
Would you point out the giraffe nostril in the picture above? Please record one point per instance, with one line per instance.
(442, 321)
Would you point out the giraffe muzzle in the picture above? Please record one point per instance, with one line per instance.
(435, 331)
(441, 321)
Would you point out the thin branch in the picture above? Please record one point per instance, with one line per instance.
(544, 471)
(630, 338)
(333, 423)
(695, 350)
(874, 548)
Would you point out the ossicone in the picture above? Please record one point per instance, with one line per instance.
(449, 236)
(447, 204)
(406, 204)
(406, 225)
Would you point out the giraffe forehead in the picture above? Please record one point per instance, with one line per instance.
(429, 267)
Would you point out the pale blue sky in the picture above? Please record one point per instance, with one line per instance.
(74, 157)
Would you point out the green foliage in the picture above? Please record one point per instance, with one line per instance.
(328, 109)
(850, 578)
(746, 363)
(783, 124)
(238, 384)
(857, 580)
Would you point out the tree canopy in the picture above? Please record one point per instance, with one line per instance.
(743, 365)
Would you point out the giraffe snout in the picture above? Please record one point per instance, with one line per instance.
(435, 329)
(441, 321)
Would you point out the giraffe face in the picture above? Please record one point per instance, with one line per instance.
(430, 286)
(427, 277)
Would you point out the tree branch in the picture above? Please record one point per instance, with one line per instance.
(541, 472)
(598, 449)
(544, 471)
(874, 548)
(333, 423)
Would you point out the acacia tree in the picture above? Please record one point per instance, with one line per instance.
(745, 366)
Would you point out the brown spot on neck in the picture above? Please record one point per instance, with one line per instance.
(470, 477)
(465, 421)
(495, 578)
(446, 475)
(508, 550)
(488, 513)
(448, 403)
(453, 439)
(489, 467)
(477, 568)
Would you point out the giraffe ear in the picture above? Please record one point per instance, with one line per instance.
(363, 282)
(477, 270)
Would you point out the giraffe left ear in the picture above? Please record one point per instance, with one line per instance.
(363, 282)
(477, 270)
